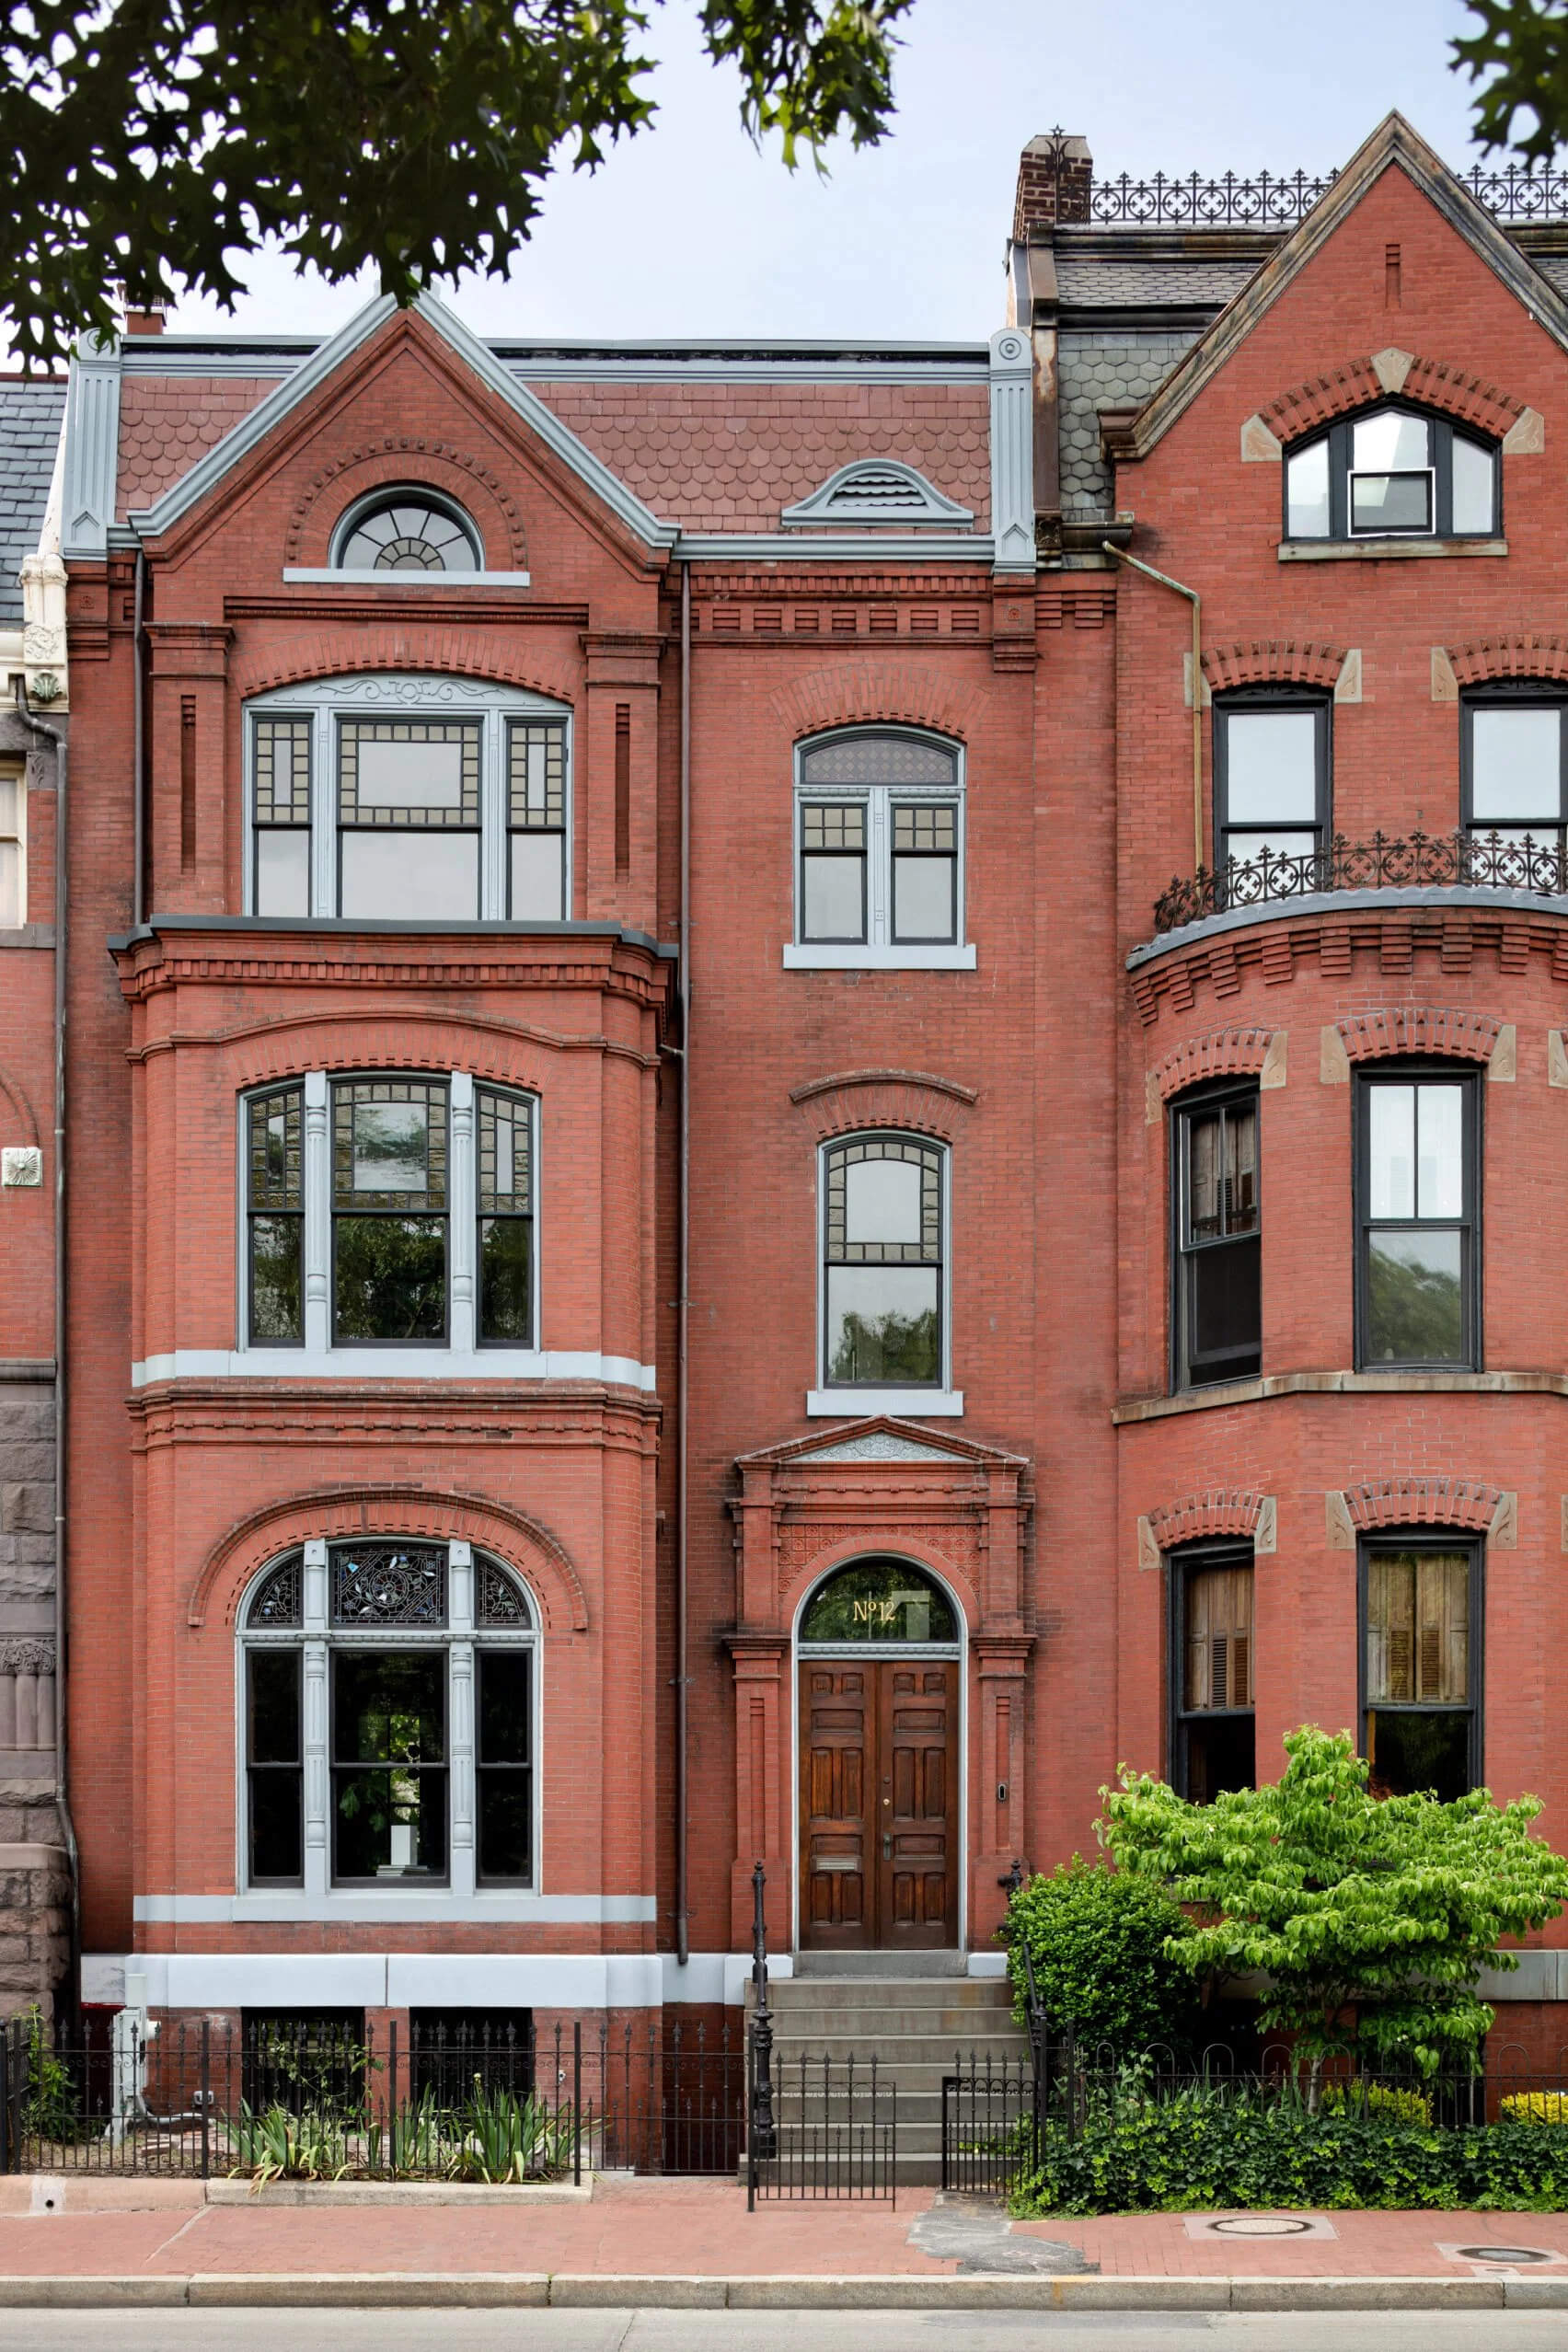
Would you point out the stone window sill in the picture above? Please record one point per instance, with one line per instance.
(909, 1405)
(879, 959)
(1382, 551)
(1357, 1384)
(315, 576)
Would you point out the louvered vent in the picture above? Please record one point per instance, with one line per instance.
(875, 486)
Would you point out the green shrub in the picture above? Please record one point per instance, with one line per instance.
(1196, 2152)
(1097, 1940)
(1534, 2106)
(1359, 2098)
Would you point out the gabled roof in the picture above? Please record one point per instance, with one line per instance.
(880, 1438)
(324, 362)
(1394, 146)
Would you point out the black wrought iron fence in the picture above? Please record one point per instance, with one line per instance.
(326, 2101)
(1435, 860)
(1279, 200)
(834, 2134)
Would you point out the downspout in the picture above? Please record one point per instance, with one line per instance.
(1195, 600)
(139, 750)
(55, 735)
(682, 1309)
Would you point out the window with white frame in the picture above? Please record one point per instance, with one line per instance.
(409, 799)
(389, 1699)
(883, 1263)
(389, 1211)
(879, 849)
(13, 848)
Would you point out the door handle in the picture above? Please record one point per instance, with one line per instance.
(887, 1847)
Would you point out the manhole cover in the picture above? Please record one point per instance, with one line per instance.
(1503, 2254)
(1261, 2225)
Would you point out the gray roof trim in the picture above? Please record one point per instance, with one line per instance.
(1394, 144)
(797, 548)
(602, 363)
(351, 926)
(1346, 905)
(92, 450)
(707, 370)
(835, 501)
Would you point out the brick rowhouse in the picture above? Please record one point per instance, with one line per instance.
(1079, 1369)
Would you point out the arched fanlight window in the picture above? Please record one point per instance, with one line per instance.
(878, 1600)
(407, 529)
(1392, 472)
(419, 1768)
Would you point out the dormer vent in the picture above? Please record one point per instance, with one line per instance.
(880, 489)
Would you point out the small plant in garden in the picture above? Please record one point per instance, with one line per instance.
(51, 2109)
(279, 2145)
(1534, 2106)
(1102, 1944)
(1371, 1918)
(503, 2137)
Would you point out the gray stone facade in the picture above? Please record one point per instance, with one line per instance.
(1110, 368)
(35, 1892)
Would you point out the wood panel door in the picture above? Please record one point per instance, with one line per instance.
(878, 1805)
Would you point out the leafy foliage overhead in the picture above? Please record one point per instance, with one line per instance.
(157, 141)
(1387, 1906)
(1523, 45)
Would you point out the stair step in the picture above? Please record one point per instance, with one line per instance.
(886, 1992)
(818, 1966)
(957, 2025)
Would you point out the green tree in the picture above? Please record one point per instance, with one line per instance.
(1522, 46)
(1372, 1918)
(156, 143)
(1104, 1949)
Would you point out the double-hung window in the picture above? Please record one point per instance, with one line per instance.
(1418, 1185)
(879, 852)
(1213, 1670)
(389, 1211)
(1392, 472)
(884, 1281)
(1270, 793)
(409, 799)
(1218, 1314)
(13, 848)
(274, 1175)
(1421, 1665)
(1514, 785)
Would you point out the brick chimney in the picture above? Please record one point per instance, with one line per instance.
(144, 322)
(1055, 173)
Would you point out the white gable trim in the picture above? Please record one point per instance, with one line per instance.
(921, 504)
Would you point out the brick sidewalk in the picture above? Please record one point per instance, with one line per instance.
(663, 2228)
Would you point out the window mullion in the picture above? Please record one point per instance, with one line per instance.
(460, 1746)
(493, 843)
(879, 865)
(314, 1724)
(461, 1228)
(317, 1214)
(324, 817)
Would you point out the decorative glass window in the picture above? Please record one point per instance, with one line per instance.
(275, 1222)
(1270, 793)
(878, 1600)
(1218, 1306)
(1514, 780)
(505, 1132)
(281, 813)
(884, 1217)
(13, 844)
(420, 1767)
(389, 1211)
(880, 842)
(407, 529)
(1417, 1263)
(1213, 1672)
(399, 778)
(1392, 472)
(1421, 1627)
(536, 821)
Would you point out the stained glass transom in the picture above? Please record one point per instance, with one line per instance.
(389, 1145)
(878, 759)
(418, 772)
(388, 1584)
(499, 1600)
(537, 776)
(878, 1600)
(277, 1601)
(884, 1220)
(409, 533)
(277, 1144)
(282, 771)
(505, 1130)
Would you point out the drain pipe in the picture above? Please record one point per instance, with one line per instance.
(683, 1311)
(42, 732)
(1196, 602)
(139, 748)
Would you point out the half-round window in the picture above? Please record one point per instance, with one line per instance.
(408, 529)
(878, 1600)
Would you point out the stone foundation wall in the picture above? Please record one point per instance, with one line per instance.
(35, 1926)
(35, 1890)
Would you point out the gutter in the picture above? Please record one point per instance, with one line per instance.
(139, 747)
(1164, 579)
(42, 730)
(683, 1313)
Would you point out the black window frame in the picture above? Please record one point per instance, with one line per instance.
(1434, 1540)
(292, 1094)
(1516, 694)
(1418, 1070)
(1199, 1104)
(924, 1151)
(528, 1104)
(343, 1647)
(293, 1653)
(1259, 702)
(821, 800)
(1340, 437)
(1181, 1566)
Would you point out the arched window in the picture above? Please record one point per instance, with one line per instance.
(883, 1263)
(1392, 472)
(879, 850)
(390, 1702)
(408, 528)
(878, 1600)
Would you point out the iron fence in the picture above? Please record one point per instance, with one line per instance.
(830, 2133)
(991, 2121)
(1510, 192)
(1436, 860)
(197, 2099)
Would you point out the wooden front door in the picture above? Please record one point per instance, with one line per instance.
(878, 1805)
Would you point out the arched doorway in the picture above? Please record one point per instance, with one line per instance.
(880, 1647)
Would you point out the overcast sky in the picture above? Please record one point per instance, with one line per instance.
(689, 230)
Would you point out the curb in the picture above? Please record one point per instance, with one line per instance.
(28, 2196)
(426, 2290)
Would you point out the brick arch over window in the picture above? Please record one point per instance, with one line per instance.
(1363, 382)
(425, 648)
(21, 1110)
(1268, 661)
(1461, 1503)
(852, 1100)
(406, 458)
(1508, 657)
(1222, 1053)
(341, 1512)
(1218, 1511)
(1441, 1029)
(894, 693)
(394, 1038)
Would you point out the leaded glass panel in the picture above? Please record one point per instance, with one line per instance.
(499, 1602)
(277, 1146)
(829, 825)
(536, 775)
(275, 1220)
(878, 759)
(389, 1143)
(388, 1584)
(277, 1604)
(281, 777)
(408, 773)
(409, 533)
(878, 1214)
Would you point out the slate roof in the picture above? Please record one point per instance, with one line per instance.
(1087, 281)
(31, 414)
(1104, 369)
(168, 423)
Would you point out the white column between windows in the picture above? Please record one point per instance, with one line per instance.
(493, 848)
(460, 1737)
(461, 1228)
(324, 818)
(317, 1848)
(878, 869)
(317, 1214)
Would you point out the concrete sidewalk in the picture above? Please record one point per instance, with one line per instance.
(630, 2241)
